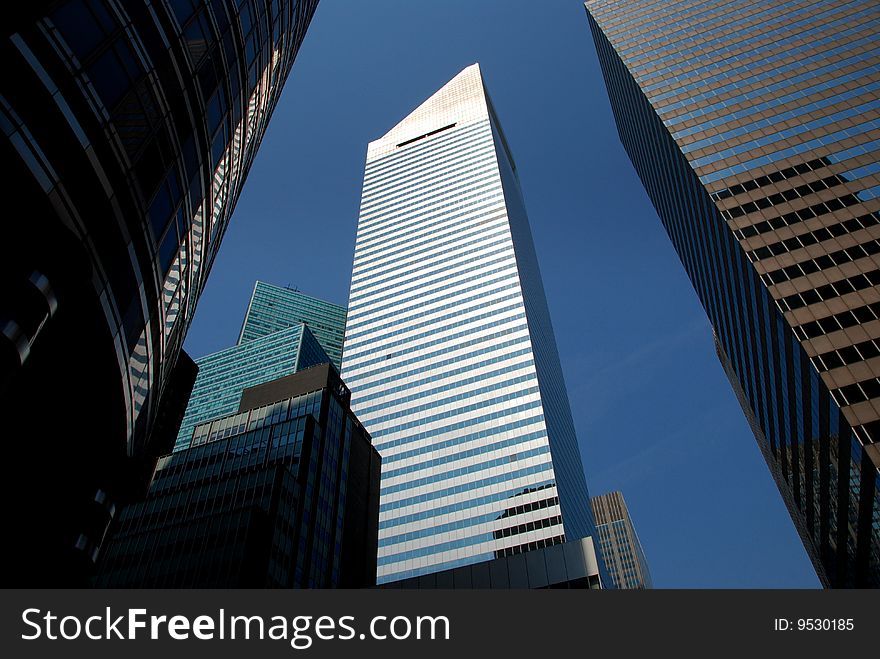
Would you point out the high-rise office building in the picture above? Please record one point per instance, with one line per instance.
(275, 307)
(128, 132)
(624, 558)
(225, 374)
(277, 338)
(755, 128)
(284, 493)
(573, 564)
(449, 350)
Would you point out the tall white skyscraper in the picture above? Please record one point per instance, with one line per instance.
(449, 351)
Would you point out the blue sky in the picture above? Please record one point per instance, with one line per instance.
(655, 415)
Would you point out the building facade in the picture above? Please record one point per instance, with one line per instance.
(275, 307)
(282, 494)
(619, 543)
(225, 374)
(128, 131)
(569, 565)
(449, 350)
(755, 128)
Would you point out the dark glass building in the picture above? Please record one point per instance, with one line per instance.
(283, 494)
(755, 128)
(128, 131)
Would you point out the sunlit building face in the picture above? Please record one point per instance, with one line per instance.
(755, 128)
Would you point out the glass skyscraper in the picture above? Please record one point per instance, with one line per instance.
(128, 130)
(284, 331)
(755, 128)
(224, 375)
(275, 307)
(620, 545)
(449, 350)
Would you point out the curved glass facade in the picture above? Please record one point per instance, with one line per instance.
(128, 131)
(150, 115)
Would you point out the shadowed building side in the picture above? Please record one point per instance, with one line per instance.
(128, 132)
(282, 494)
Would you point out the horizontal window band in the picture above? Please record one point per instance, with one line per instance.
(430, 405)
(489, 208)
(441, 160)
(415, 224)
(391, 159)
(461, 321)
(484, 364)
(458, 506)
(457, 525)
(461, 440)
(448, 289)
(424, 359)
(460, 425)
(432, 187)
(429, 270)
(455, 249)
(504, 532)
(480, 285)
(438, 339)
(406, 324)
(419, 232)
(465, 454)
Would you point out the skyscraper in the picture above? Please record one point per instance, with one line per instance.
(449, 350)
(128, 132)
(277, 338)
(283, 493)
(275, 307)
(624, 557)
(755, 130)
(225, 374)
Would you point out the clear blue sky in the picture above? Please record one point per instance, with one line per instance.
(655, 415)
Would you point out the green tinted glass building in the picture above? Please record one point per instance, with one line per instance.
(225, 374)
(274, 307)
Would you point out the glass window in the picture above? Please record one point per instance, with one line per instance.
(83, 24)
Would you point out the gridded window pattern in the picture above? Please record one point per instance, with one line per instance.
(225, 374)
(449, 352)
(755, 128)
(280, 496)
(619, 543)
(839, 257)
(274, 307)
